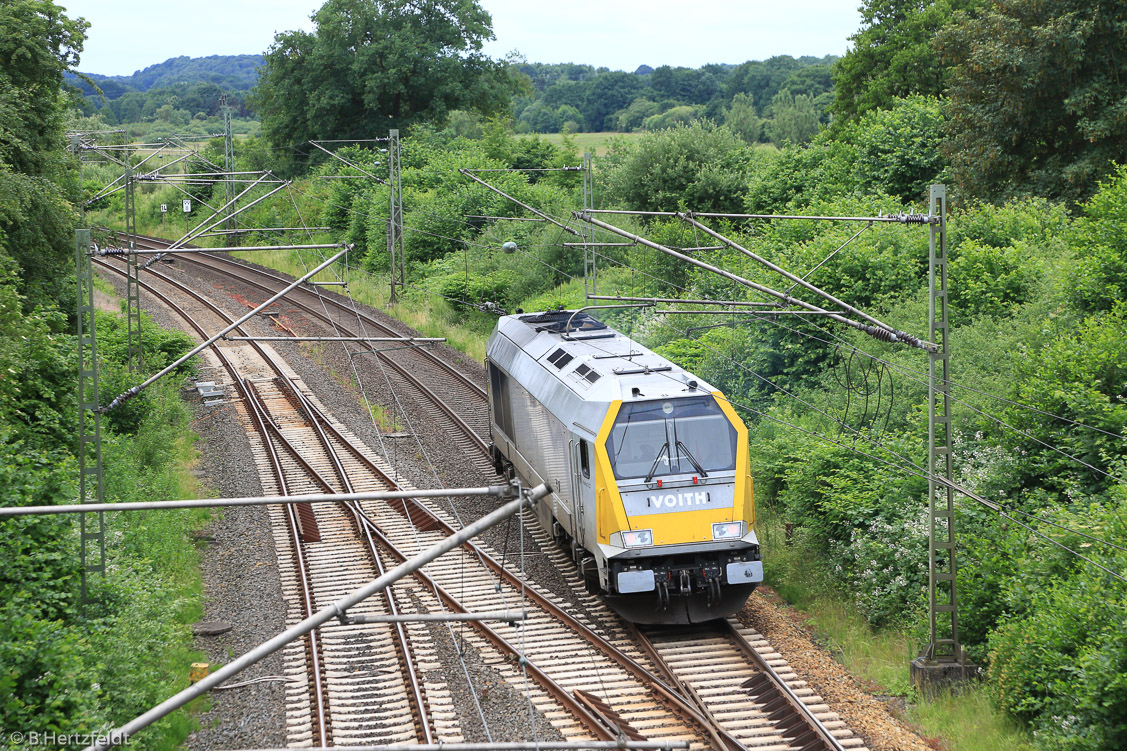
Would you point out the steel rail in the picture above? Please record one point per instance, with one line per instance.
(399, 368)
(721, 739)
(301, 402)
(685, 689)
(336, 609)
(373, 533)
(823, 739)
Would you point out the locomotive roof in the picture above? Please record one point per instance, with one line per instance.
(593, 360)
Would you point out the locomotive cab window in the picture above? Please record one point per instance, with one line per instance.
(671, 437)
(584, 462)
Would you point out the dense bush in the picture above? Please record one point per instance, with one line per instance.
(697, 167)
(1063, 666)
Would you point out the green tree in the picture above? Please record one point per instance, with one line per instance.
(608, 94)
(371, 65)
(892, 55)
(895, 151)
(796, 118)
(540, 118)
(631, 118)
(1037, 95)
(1097, 279)
(700, 167)
(37, 45)
(741, 119)
(680, 115)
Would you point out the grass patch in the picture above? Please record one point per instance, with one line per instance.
(154, 590)
(879, 659)
(969, 721)
(596, 144)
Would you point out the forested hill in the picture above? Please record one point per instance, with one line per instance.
(586, 98)
(233, 72)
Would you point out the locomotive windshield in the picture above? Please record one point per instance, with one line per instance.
(671, 437)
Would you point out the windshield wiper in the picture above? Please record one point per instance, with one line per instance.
(695, 463)
(653, 469)
(622, 440)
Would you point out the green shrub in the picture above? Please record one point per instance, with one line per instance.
(1099, 276)
(476, 289)
(1063, 666)
(697, 167)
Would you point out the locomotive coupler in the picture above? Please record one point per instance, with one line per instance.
(686, 583)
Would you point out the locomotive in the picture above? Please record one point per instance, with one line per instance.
(648, 465)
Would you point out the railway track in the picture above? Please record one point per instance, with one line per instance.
(353, 683)
(589, 674)
(453, 399)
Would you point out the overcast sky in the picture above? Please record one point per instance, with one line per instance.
(128, 35)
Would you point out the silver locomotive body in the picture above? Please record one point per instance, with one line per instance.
(648, 465)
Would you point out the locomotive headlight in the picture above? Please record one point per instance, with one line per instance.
(638, 538)
(728, 530)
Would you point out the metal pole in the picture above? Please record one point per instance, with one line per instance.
(507, 616)
(130, 393)
(395, 243)
(888, 218)
(880, 333)
(92, 535)
(590, 271)
(740, 303)
(759, 313)
(192, 234)
(174, 251)
(786, 274)
(228, 166)
(336, 610)
(942, 568)
(332, 339)
(134, 353)
(351, 164)
(258, 500)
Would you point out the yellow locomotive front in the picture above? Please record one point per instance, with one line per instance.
(675, 509)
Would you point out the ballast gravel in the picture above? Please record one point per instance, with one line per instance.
(865, 714)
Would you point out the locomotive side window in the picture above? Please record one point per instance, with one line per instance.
(584, 462)
(676, 436)
(499, 387)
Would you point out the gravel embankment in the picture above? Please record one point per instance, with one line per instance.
(869, 717)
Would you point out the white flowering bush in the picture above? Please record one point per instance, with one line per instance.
(884, 566)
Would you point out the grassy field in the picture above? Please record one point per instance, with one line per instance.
(595, 143)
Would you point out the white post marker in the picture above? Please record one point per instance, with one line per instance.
(187, 205)
(164, 208)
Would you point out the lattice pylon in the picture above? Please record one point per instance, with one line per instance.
(134, 352)
(944, 645)
(93, 531)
